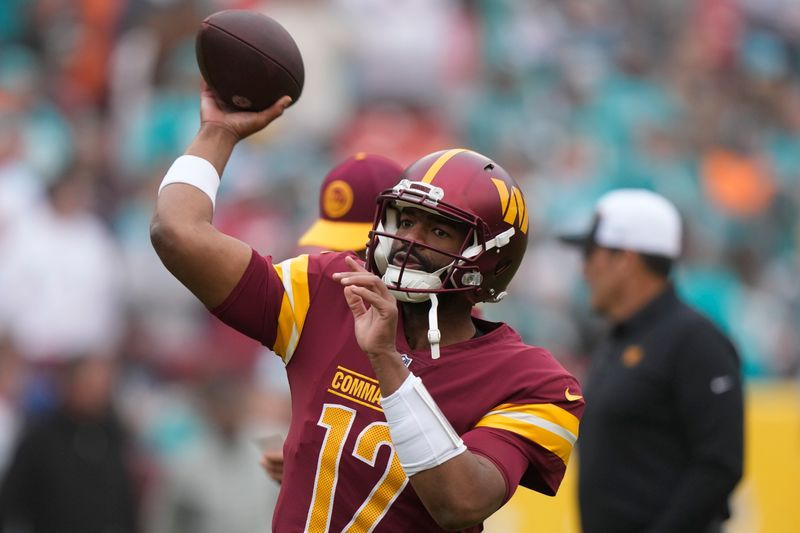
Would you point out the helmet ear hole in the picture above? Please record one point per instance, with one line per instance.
(502, 267)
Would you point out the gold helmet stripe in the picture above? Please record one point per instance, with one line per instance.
(439, 163)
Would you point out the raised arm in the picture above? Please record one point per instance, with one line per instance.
(208, 262)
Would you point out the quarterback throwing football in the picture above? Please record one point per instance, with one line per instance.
(408, 414)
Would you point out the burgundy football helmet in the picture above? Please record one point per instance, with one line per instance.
(472, 190)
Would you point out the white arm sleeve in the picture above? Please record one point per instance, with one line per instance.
(422, 436)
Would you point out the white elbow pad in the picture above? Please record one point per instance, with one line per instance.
(422, 436)
(194, 171)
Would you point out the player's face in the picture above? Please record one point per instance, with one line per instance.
(605, 272)
(430, 229)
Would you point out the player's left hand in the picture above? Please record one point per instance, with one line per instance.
(374, 309)
(272, 463)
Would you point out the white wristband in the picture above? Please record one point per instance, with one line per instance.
(194, 171)
(422, 436)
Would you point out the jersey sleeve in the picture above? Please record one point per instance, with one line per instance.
(531, 439)
(270, 302)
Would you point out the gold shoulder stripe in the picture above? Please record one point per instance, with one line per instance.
(439, 163)
(293, 273)
(548, 425)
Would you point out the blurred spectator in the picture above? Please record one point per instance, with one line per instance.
(59, 276)
(21, 189)
(323, 37)
(43, 129)
(397, 45)
(216, 484)
(736, 184)
(77, 37)
(13, 20)
(694, 99)
(163, 320)
(72, 471)
(398, 132)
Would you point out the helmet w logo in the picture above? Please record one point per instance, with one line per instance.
(512, 203)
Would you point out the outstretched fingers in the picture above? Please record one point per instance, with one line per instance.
(367, 281)
(368, 295)
(362, 289)
(358, 275)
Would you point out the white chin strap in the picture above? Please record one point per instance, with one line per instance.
(434, 335)
(418, 279)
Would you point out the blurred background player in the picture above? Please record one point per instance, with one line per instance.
(452, 232)
(73, 470)
(347, 201)
(662, 436)
(239, 499)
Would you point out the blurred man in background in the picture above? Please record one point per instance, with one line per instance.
(347, 201)
(213, 485)
(661, 441)
(59, 277)
(73, 470)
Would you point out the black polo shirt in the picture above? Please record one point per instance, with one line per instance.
(660, 442)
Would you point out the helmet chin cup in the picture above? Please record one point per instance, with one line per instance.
(413, 280)
(410, 297)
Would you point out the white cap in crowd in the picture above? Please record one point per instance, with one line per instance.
(634, 219)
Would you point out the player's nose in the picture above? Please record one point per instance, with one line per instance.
(418, 232)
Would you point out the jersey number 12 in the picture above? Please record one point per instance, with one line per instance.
(337, 421)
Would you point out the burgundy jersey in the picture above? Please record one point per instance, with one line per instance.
(510, 402)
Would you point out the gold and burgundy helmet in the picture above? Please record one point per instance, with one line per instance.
(472, 190)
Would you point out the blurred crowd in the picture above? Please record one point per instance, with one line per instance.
(698, 100)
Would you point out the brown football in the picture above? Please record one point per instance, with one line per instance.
(248, 59)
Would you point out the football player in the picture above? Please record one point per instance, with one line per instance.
(408, 414)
